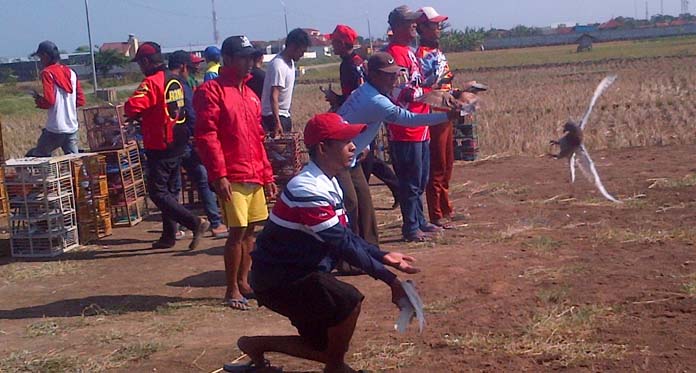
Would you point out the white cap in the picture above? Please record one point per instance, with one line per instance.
(431, 15)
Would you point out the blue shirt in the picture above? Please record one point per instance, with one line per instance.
(367, 106)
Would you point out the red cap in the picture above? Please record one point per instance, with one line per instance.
(195, 59)
(147, 49)
(344, 33)
(330, 126)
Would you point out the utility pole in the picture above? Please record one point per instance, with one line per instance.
(216, 35)
(662, 7)
(285, 15)
(91, 49)
(369, 32)
(646, 11)
(635, 9)
(685, 7)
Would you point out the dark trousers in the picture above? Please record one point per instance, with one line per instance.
(372, 165)
(441, 165)
(411, 162)
(199, 177)
(163, 186)
(358, 203)
(268, 122)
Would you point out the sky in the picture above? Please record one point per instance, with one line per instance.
(178, 23)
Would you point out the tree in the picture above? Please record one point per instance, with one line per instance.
(106, 60)
(82, 49)
(452, 40)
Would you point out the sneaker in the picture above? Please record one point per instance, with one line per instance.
(179, 235)
(200, 230)
(159, 244)
(221, 231)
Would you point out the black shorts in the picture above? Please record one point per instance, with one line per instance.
(268, 122)
(313, 304)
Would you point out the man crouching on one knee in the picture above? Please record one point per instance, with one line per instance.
(306, 234)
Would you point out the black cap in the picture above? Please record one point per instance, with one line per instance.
(47, 47)
(402, 14)
(238, 45)
(180, 58)
(384, 62)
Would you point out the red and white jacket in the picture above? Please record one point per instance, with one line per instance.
(62, 94)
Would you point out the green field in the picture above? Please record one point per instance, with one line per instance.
(665, 47)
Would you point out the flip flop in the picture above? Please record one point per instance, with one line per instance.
(238, 304)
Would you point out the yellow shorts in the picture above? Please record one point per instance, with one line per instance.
(248, 205)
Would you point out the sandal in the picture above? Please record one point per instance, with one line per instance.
(238, 304)
(249, 367)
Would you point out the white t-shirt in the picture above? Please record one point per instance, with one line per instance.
(278, 74)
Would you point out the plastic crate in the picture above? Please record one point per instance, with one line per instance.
(96, 228)
(107, 128)
(40, 246)
(128, 214)
(286, 155)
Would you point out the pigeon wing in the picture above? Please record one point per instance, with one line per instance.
(603, 85)
(588, 169)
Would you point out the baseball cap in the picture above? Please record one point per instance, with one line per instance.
(148, 49)
(181, 57)
(344, 33)
(402, 14)
(429, 14)
(384, 62)
(195, 60)
(47, 47)
(330, 126)
(238, 45)
(211, 52)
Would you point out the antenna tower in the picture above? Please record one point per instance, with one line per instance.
(684, 6)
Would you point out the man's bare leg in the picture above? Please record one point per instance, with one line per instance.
(233, 261)
(339, 338)
(245, 265)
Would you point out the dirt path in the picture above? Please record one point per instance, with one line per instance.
(540, 276)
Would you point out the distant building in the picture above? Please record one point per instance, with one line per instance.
(127, 48)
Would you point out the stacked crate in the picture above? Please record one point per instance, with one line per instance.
(286, 156)
(111, 136)
(91, 196)
(466, 140)
(126, 185)
(43, 221)
(107, 128)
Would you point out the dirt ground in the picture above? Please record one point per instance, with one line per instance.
(541, 275)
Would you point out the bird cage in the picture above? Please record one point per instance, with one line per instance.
(126, 185)
(466, 147)
(107, 128)
(91, 196)
(43, 221)
(286, 156)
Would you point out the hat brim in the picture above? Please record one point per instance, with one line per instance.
(392, 69)
(245, 52)
(349, 132)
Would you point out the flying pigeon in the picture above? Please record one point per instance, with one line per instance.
(572, 147)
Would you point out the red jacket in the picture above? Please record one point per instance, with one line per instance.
(404, 57)
(158, 101)
(228, 132)
(58, 76)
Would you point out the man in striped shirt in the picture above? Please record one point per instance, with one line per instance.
(306, 234)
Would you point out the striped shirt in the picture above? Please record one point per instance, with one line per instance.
(307, 232)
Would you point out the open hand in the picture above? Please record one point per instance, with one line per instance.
(401, 262)
(223, 188)
(271, 189)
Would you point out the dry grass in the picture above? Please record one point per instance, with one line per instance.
(379, 356)
(685, 182)
(28, 362)
(647, 235)
(562, 337)
(42, 328)
(542, 244)
(689, 287)
(19, 271)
